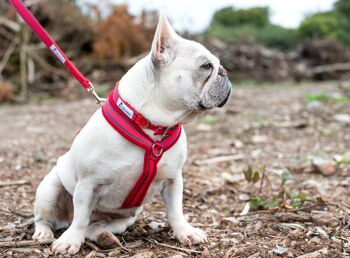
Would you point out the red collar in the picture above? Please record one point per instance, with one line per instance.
(134, 115)
(129, 123)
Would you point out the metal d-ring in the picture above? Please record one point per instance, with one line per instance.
(157, 154)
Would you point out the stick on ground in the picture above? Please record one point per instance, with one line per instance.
(11, 183)
(26, 243)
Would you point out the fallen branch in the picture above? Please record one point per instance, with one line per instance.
(331, 68)
(26, 243)
(45, 65)
(7, 55)
(13, 183)
(174, 247)
(14, 26)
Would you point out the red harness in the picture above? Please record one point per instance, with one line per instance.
(128, 122)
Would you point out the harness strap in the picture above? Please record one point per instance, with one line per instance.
(123, 121)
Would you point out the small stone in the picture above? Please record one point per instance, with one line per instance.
(259, 139)
(204, 128)
(316, 108)
(324, 166)
(280, 250)
(343, 118)
(256, 153)
(147, 254)
(232, 220)
(156, 226)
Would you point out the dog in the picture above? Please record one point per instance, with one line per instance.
(176, 82)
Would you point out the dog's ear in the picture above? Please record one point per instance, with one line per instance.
(164, 41)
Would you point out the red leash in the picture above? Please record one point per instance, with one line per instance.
(40, 32)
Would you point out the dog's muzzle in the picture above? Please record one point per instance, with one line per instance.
(218, 92)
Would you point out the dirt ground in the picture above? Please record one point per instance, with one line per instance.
(275, 127)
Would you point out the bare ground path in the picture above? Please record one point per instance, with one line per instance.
(275, 127)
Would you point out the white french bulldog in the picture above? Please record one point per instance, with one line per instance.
(177, 81)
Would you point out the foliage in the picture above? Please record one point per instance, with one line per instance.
(236, 25)
(230, 17)
(335, 24)
(324, 97)
(121, 34)
(247, 25)
(319, 25)
(284, 198)
(271, 35)
(232, 34)
(342, 7)
(276, 36)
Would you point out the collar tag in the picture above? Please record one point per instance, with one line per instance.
(123, 107)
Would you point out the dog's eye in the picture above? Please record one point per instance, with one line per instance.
(207, 66)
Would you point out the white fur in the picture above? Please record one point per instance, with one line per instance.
(101, 166)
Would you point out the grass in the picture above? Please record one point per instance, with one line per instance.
(325, 97)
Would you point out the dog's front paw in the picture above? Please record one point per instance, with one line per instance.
(42, 232)
(68, 243)
(189, 235)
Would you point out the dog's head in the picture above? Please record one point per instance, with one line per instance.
(189, 76)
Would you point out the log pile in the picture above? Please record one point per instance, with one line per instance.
(312, 60)
(24, 61)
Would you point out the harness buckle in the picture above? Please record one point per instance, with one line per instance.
(157, 149)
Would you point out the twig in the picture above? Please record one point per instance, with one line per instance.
(7, 56)
(174, 247)
(310, 207)
(91, 245)
(10, 24)
(262, 181)
(26, 243)
(218, 159)
(23, 61)
(12, 183)
(45, 65)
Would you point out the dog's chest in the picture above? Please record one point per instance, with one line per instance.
(112, 194)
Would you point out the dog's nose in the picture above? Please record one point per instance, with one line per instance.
(222, 71)
(225, 100)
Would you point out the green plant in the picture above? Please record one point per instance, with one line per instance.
(324, 97)
(319, 25)
(230, 17)
(318, 97)
(276, 36)
(281, 199)
(232, 35)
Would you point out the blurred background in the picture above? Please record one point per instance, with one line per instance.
(266, 176)
(257, 41)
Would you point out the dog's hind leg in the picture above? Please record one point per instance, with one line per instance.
(45, 206)
(102, 232)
